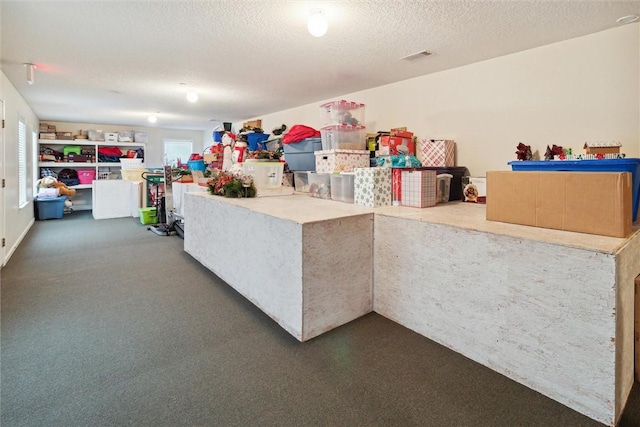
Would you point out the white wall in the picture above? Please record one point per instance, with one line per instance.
(17, 221)
(155, 147)
(584, 89)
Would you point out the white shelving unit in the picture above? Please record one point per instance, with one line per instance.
(83, 200)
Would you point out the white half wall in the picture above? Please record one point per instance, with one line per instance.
(566, 93)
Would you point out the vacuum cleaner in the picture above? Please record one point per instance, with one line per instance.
(169, 222)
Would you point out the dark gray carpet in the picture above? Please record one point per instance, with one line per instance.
(106, 324)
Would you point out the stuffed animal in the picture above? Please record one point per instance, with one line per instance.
(51, 182)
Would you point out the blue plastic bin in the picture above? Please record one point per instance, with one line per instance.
(605, 165)
(50, 208)
(300, 155)
(196, 165)
(256, 141)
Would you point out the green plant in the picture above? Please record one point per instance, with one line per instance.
(229, 185)
(264, 155)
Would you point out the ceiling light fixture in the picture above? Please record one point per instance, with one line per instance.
(152, 118)
(192, 96)
(31, 72)
(317, 23)
(628, 19)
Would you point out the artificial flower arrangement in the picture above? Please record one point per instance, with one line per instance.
(264, 155)
(227, 184)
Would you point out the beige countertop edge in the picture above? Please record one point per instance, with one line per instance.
(302, 209)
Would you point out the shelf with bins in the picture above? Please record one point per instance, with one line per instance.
(103, 170)
(91, 146)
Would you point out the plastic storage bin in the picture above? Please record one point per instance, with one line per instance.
(75, 149)
(443, 187)
(255, 141)
(301, 181)
(300, 156)
(196, 165)
(265, 173)
(342, 187)
(455, 191)
(135, 163)
(343, 137)
(342, 113)
(148, 215)
(611, 165)
(86, 176)
(50, 208)
(320, 185)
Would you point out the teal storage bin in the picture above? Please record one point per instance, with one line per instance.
(604, 165)
(50, 208)
(196, 165)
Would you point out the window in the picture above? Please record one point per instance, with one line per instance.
(22, 163)
(177, 151)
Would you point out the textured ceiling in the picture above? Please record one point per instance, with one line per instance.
(116, 62)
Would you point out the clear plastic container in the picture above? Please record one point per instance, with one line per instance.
(342, 113)
(301, 181)
(265, 173)
(343, 137)
(443, 187)
(320, 185)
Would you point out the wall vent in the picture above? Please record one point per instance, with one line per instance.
(417, 55)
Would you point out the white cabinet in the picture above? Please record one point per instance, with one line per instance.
(116, 198)
(103, 170)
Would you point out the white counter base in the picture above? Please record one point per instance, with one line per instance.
(310, 271)
(550, 309)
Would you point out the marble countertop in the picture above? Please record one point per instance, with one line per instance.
(301, 208)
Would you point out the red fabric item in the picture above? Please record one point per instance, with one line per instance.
(110, 151)
(298, 133)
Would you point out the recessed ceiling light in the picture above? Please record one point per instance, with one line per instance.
(192, 96)
(152, 119)
(628, 19)
(317, 23)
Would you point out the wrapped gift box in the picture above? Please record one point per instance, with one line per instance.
(437, 152)
(396, 144)
(372, 187)
(329, 161)
(418, 188)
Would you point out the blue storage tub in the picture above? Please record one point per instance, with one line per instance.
(604, 165)
(50, 208)
(196, 165)
(300, 155)
(255, 141)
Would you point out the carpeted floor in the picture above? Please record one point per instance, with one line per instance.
(107, 324)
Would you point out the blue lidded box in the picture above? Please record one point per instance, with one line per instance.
(50, 207)
(300, 155)
(603, 165)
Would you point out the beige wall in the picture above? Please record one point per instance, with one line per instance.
(566, 93)
(16, 220)
(155, 147)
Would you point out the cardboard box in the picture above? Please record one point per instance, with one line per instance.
(372, 187)
(418, 188)
(637, 328)
(437, 152)
(330, 161)
(585, 202)
(253, 124)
